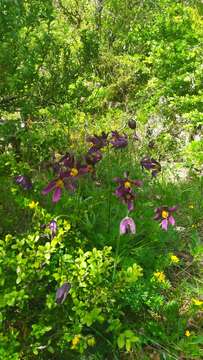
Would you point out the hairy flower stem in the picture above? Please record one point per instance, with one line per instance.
(116, 257)
(109, 191)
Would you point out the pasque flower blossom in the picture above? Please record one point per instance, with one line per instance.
(98, 141)
(93, 156)
(53, 228)
(118, 141)
(124, 191)
(24, 182)
(70, 170)
(56, 185)
(164, 214)
(62, 292)
(151, 164)
(74, 168)
(127, 225)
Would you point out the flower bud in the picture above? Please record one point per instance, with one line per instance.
(132, 124)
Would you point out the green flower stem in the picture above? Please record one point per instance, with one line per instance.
(116, 256)
(109, 191)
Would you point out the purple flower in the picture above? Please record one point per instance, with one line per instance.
(56, 185)
(74, 168)
(62, 292)
(98, 141)
(127, 226)
(164, 214)
(151, 165)
(124, 191)
(53, 228)
(61, 162)
(68, 160)
(24, 182)
(93, 156)
(118, 141)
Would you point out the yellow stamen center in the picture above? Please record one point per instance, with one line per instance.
(127, 184)
(164, 214)
(74, 172)
(59, 183)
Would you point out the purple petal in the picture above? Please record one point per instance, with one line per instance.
(157, 214)
(53, 228)
(173, 208)
(127, 225)
(68, 160)
(70, 186)
(164, 224)
(118, 180)
(154, 173)
(57, 195)
(119, 191)
(138, 182)
(171, 220)
(62, 292)
(130, 205)
(23, 181)
(49, 187)
(83, 170)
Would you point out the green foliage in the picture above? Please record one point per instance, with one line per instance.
(70, 69)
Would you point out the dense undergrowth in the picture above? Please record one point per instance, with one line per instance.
(101, 236)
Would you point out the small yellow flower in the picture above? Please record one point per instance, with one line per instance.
(160, 276)
(187, 333)
(76, 340)
(91, 341)
(33, 204)
(197, 302)
(194, 226)
(191, 206)
(66, 225)
(174, 259)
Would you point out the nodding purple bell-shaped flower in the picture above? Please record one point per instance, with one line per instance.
(62, 292)
(151, 164)
(24, 182)
(53, 228)
(127, 226)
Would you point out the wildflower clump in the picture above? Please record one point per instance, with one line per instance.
(197, 302)
(174, 259)
(33, 204)
(160, 276)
